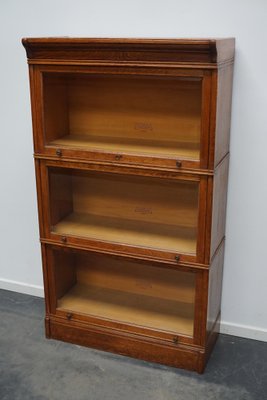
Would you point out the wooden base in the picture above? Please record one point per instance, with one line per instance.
(132, 345)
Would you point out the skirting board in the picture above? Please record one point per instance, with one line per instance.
(22, 287)
(228, 328)
(244, 331)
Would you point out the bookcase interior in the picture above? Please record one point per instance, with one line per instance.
(122, 113)
(124, 291)
(134, 210)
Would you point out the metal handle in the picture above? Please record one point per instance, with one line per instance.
(59, 152)
(175, 339)
(63, 239)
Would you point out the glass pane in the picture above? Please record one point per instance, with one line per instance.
(125, 291)
(139, 211)
(143, 115)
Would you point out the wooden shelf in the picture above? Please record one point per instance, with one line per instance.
(147, 311)
(187, 150)
(137, 233)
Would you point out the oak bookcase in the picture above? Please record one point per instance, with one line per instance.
(131, 147)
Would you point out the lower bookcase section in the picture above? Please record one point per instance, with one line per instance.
(147, 310)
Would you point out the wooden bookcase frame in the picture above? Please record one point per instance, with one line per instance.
(126, 65)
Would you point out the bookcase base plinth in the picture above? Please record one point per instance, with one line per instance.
(193, 358)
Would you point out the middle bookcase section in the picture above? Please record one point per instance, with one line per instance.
(146, 215)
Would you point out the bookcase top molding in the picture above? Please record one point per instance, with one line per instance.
(209, 52)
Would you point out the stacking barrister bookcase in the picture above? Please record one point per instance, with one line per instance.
(131, 147)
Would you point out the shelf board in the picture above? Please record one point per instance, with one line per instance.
(187, 150)
(148, 311)
(131, 232)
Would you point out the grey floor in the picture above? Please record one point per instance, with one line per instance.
(32, 367)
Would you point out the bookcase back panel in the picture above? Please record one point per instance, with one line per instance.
(136, 278)
(146, 115)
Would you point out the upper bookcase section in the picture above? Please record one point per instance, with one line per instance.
(158, 103)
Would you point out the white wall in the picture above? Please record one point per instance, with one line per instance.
(244, 306)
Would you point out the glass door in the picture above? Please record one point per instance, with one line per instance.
(143, 215)
(116, 291)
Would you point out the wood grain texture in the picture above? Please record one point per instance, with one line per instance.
(215, 290)
(135, 277)
(146, 108)
(184, 195)
(158, 351)
(209, 51)
(201, 307)
(134, 233)
(64, 272)
(101, 281)
(205, 120)
(55, 109)
(175, 149)
(131, 141)
(143, 115)
(216, 209)
(126, 170)
(116, 161)
(156, 201)
(46, 278)
(60, 196)
(219, 205)
(215, 117)
(223, 110)
(136, 211)
(220, 114)
(154, 257)
(137, 309)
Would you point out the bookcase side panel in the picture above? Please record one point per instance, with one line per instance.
(219, 205)
(220, 114)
